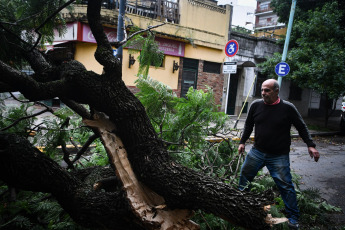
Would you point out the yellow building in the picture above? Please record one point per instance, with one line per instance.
(193, 40)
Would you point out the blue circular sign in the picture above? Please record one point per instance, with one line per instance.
(282, 69)
(231, 48)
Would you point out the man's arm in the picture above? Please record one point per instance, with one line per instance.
(304, 134)
(301, 127)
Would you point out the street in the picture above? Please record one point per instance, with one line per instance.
(327, 174)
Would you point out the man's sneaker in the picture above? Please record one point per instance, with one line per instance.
(293, 224)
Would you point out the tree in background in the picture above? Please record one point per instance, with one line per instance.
(282, 9)
(316, 57)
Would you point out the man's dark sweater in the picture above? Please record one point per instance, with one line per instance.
(272, 126)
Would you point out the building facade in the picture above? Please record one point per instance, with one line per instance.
(192, 39)
(266, 21)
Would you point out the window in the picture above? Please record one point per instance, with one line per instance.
(212, 67)
(264, 5)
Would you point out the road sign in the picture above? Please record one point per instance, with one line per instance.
(230, 67)
(231, 48)
(282, 69)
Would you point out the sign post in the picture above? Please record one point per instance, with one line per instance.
(287, 39)
(231, 49)
(230, 67)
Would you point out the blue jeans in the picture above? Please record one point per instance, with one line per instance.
(279, 168)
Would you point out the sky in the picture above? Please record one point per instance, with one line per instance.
(251, 3)
(247, 3)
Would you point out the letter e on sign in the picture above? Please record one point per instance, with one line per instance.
(282, 69)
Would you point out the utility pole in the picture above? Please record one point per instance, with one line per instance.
(288, 33)
(120, 27)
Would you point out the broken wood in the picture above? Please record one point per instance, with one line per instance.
(147, 205)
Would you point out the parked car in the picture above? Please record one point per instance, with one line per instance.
(342, 119)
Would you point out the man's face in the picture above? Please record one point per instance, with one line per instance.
(268, 94)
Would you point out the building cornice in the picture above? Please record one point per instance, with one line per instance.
(206, 5)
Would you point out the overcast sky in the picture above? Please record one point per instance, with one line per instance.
(247, 3)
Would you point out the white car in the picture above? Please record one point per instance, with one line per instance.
(343, 107)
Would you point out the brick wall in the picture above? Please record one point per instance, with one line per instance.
(215, 81)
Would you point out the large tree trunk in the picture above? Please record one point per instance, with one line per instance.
(182, 188)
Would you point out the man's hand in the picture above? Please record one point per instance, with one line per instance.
(314, 153)
(241, 148)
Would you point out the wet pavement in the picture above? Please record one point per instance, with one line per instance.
(327, 175)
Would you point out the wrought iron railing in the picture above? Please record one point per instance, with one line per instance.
(164, 10)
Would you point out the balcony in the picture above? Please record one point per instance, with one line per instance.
(264, 10)
(163, 10)
(267, 25)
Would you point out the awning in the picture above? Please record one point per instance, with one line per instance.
(242, 64)
(50, 47)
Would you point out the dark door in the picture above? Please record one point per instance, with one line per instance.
(232, 94)
(189, 75)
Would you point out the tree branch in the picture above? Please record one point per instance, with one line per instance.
(30, 88)
(85, 147)
(46, 20)
(25, 167)
(136, 33)
(104, 52)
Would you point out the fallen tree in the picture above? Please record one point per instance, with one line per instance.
(147, 190)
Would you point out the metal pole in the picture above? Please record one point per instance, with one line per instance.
(120, 27)
(227, 94)
(288, 33)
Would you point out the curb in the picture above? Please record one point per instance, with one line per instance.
(324, 134)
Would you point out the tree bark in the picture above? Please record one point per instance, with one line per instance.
(25, 167)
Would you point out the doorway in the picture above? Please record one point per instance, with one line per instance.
(189, 75)
(232, 87)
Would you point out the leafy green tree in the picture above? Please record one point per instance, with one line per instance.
(317, 58)
(282, 8)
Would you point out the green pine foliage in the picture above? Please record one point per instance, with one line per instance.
(20, 17)
(33, 211)
(150, 54)
(185, 123)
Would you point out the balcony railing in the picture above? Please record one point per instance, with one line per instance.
(269, 24)
(163, 10)
(257, 11)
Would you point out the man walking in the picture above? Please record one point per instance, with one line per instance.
(272, 118)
